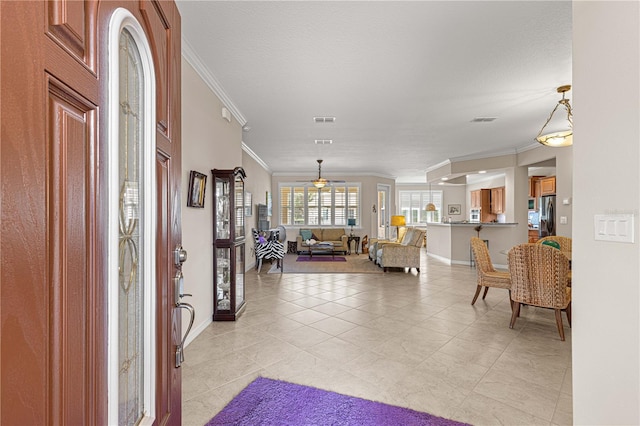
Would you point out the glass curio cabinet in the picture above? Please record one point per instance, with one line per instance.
(228, 244)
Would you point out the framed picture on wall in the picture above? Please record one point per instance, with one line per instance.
(248, 208)
(197, 187)
(454, 209)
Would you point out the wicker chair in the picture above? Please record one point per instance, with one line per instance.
(565, 242)
(539, 276)
(565, 246)
(487, 274)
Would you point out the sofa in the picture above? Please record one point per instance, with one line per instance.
(337, 236)
(405, 254)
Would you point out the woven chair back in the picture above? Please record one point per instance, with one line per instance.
(539, 276)
(481, 255)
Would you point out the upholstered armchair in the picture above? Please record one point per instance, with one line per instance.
(402, 255)
(375, 244)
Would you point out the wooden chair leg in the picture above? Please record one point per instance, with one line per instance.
(568, 311)
(486, 290)
(476, 295)
(559, 323)
(514, 314)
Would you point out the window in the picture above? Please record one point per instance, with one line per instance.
(331, 205)
(412, 204)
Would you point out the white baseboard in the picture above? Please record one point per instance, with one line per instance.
(195, 331)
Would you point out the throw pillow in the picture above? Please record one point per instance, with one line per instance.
(275, 235)
(261, 239)
(305, 234)
(551, 243)
(406, 239)
(315, 237)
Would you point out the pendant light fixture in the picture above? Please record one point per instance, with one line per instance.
(560, 132)
(430, 207)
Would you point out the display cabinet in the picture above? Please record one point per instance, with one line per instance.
(228, 244)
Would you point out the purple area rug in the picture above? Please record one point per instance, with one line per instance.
(273, 402)
(321, 258)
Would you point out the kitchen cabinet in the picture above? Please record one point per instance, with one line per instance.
(228, 244)
(548, 186)
(476, 199)
(533, 235)
(481, 199)
(534, 182)
(497, 200)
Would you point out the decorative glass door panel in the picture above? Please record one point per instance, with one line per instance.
(223, 279)
(239, 258)
(222, 209)
(239, 207)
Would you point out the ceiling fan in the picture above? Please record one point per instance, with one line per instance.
(321, 182)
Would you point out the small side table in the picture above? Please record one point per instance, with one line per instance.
(353, 238)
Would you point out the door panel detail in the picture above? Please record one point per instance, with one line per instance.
(72, 124)
(155, 18)
(69, 24)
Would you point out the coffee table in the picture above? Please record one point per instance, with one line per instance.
(321, 248)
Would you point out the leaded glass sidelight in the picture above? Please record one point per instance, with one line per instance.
(130, 225)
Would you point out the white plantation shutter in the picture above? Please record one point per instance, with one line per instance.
(331, 205)
(412, 204)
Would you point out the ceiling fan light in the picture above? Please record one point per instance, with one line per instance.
(320, 183)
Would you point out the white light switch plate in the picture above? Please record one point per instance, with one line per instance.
(614, 227)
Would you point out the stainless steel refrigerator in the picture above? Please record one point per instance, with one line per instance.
(547, 216)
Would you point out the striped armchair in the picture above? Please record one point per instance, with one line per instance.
(271, 249)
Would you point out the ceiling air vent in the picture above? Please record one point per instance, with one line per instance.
(324, 119)
(483, 119)
(324, 141)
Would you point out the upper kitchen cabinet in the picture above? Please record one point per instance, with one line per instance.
(548, 186)
(497, 200)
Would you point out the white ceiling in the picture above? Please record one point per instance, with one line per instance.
(403, 79)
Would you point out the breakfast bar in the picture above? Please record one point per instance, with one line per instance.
(449, 242)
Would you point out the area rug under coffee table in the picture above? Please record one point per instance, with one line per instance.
(274, 402)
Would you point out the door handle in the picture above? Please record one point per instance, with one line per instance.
(180, 347)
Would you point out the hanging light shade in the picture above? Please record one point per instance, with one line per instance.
(430, 207)
(560, 131)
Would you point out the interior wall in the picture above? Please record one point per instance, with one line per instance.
(606, 296)
(208, 142)
(258, 182)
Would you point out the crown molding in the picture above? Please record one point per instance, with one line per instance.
(189, 54)
(257, 159)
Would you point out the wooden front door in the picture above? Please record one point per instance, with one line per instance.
(56, 336)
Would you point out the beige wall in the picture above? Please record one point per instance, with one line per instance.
(258, 182)
(606, 179)
(208, 142)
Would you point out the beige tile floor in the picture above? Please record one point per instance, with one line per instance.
(407, 339)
